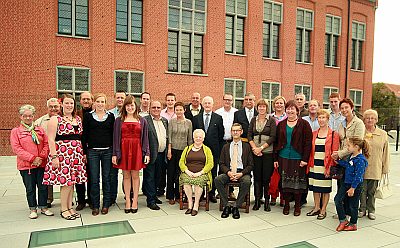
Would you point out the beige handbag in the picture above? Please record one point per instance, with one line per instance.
(383, 190)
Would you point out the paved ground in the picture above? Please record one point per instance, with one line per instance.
(170, 227)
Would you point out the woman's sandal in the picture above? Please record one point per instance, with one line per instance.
(321, 216)
(76, 215)
(69, 217)
(313, 213)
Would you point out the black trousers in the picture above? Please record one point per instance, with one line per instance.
(263, 169)
(173, 172)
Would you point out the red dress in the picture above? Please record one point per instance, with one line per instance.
(131, 147)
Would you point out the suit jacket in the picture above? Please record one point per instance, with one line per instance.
(214, 136)
(153, 141)
(241, 118)
(247, 159)
(188, 114)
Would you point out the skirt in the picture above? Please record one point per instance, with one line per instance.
(294, 177)
(200, 181)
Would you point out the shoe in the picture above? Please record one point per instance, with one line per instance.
(235, 213)
(95, 211)
(273, 202)
(160, 194)
(231, 197)
(80, 206)
(218, 196)
(212, 199)
(350, 227)
(76, 215)
(171, 201)
(33, 215)
(341, 226)
(49, 205)
(158, 201)
(68, 217)
(226, 212)
(371, 216)
(189, 211)
(362, 214)
(267, 208)
(313, 213)
(47, 213)
(297, 210)
(104, 211)
(286, 209)
(321, 216)
(127, 211)
(134, 210)
(194, 212)
(153, 206)
(257, 205)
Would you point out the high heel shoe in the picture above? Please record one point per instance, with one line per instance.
(127, 211)
(69, 217)
(76, 215)
(134, 210)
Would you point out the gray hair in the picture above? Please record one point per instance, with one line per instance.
(199, 131)
(26, 107)
(372, 112)
(52, 100)
(208, 98)
(300, 94)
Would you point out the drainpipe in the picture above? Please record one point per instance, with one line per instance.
(348, 46)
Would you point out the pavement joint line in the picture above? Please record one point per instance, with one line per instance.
(249, 240)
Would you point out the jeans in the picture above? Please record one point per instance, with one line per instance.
(244, 188)
(97, 157)
(352, 202)
(151, 175)
(173, 173)
(31, 180)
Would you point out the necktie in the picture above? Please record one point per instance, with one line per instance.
(250, 115)
(234, 160)
(207, 122)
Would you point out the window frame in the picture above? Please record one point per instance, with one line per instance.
(73, 90)
(302, 90)
(129, 82)
(73, 21)
(271, 24)
(358, 55)
(356, 105)
(235, 15)
(331, 90)
(129, 25)
(235, 98)
(304, 30)
(333, 57)
(269, 98)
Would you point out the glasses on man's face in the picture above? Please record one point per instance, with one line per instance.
(156, 107)
(236, 130)
(54, 107)
(27, 116)
(230, 100)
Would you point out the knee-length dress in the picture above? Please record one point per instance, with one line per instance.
(69, 150)
(131, 147)
(316, 178)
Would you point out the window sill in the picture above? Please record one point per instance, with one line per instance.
(266, 58)
(304, 63)
(332, 67)
(236, 54)
(129, 42)
(72, 36)
(186, 73)
(357, 70)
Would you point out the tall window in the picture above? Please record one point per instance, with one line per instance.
(72, 80)
(304, 27)
(129, 20)
(237, 89)
(357, 40)
(305, 89)
(270, 90)
(73, 17)
(327, 92)
(236, 12)
(332, 33)
(271, 28)
(186, 28)
(356, 96)
(131, 82)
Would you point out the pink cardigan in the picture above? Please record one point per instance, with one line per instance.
(26, 150)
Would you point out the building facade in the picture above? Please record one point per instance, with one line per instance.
(182, 46)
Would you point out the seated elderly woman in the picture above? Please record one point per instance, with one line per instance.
(196, 163)
(30, 144)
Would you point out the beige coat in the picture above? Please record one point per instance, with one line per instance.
(378, 161)
(355, 128)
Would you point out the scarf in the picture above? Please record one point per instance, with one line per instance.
(31, 129)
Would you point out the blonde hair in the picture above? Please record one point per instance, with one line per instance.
(199, 131)
(315, 101)
(278, 98)
(98, 95)
(323, 112)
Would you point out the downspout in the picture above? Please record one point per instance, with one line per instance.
(348, 50)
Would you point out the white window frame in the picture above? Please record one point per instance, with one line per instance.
(129, 86)
(356, 105)
(73, 91)
(331, 90)
(73, 21)
(234, 89)
(269, 98)
(235, 16)
(302, 90)
(303, 38)
(271, 23)
(130, 26)
(358, 64)
(332, 33)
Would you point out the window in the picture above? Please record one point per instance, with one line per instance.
(327, 92)
(270, 90)
(332, 33)
(305, 89)
(73, 17)
(304, 27)
(237, 88)
(356, 96)
(72, 80)
(129, 20)
(271, 29)
(130, 82)
(357, 40)
(236, 12)
(186, 28)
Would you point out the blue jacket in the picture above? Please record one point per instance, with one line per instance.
(355, 169)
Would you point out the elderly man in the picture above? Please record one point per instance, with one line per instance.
(53, 108)
(236, 164)
(169, 111)
(158, 142)
(144, 104)
(300, 99)
(194, 108)
(212, 124)
(336, 116)
(244, 115)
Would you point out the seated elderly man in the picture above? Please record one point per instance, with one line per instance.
(236, 163)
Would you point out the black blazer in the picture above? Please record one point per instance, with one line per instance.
(241, 118)
(214, 136)
(188, 114)
(247, 159)
(153, 141)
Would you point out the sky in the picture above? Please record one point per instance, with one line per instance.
(387, 43)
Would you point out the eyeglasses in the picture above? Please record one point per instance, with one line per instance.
(228, 100)
(236, 130)
(156, 107)
(56, 106)
(27, 116)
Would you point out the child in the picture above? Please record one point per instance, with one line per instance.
(351, 189)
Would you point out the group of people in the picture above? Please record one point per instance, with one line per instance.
(193, 148)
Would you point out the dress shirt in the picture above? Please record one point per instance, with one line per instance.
(334, 121)
(143, 113)
(227, 117)
(115, 112)
(249, 113)
(166, 115)
(161, 134)
(240, 152)
(96, 117)
(313, 123)
(204, 119)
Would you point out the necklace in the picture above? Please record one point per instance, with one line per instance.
(293, 120)
(70, 119)
(196, 148)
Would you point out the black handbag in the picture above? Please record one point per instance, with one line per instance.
(335, 172)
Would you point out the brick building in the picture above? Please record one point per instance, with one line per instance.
(181, 46)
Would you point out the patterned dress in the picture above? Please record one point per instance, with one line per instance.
(317, 181)
(69, 150)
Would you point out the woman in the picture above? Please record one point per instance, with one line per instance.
(29, 143)
(179, 136)
(324, 142)
(378, 163)
(131, 151)
(261, 135)
(66, 165)
(97, 141)
(196, 163)
(291, 153)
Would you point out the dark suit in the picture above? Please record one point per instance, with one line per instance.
(188, 114)
(241, 118)
(152, 172)
(214, 137)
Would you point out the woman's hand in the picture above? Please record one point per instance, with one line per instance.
(302, 163)
(169, 154)
(276, 164)
(84, 159)
(114, 160)
(146, 159)
(55, 163)
(37, 161)
(197, 174)
(189, 173)
(350, 192)
(257, 151)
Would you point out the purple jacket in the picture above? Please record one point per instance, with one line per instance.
(144, 138)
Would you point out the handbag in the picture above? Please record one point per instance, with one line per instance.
(335, 171)
(383, 190)
(274, 184)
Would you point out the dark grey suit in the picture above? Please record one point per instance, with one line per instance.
(241, 118)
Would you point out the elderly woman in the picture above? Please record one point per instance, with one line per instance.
(29, 143)
(291, 154)
(261, 135)
(378, 163)
(324, 142)
(196, 163)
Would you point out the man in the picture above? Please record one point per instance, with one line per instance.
(336, 116)
(86, 102)
(119, 97)
(194, 108)
(244, 116)
(144, 104)
(212, 124)
(236, 164)
(300, 101)
(53, 108)
(158, 141)
(311, 118)
(169, 111)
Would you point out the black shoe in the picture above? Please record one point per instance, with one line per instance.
(158, 201)
(267, 208)
(80, 206)
(227, 211)
(235, 213)
(134, 210)
(153, 206)
(212, 199)
(160, 194)
(257, 205)
(49, 205)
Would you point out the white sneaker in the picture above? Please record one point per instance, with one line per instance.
(361, 214)
(33, 215)
(371, 216)
(335, 216)
(47, 213)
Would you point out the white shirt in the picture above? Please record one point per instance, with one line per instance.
(249, 113)
(227, 117)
